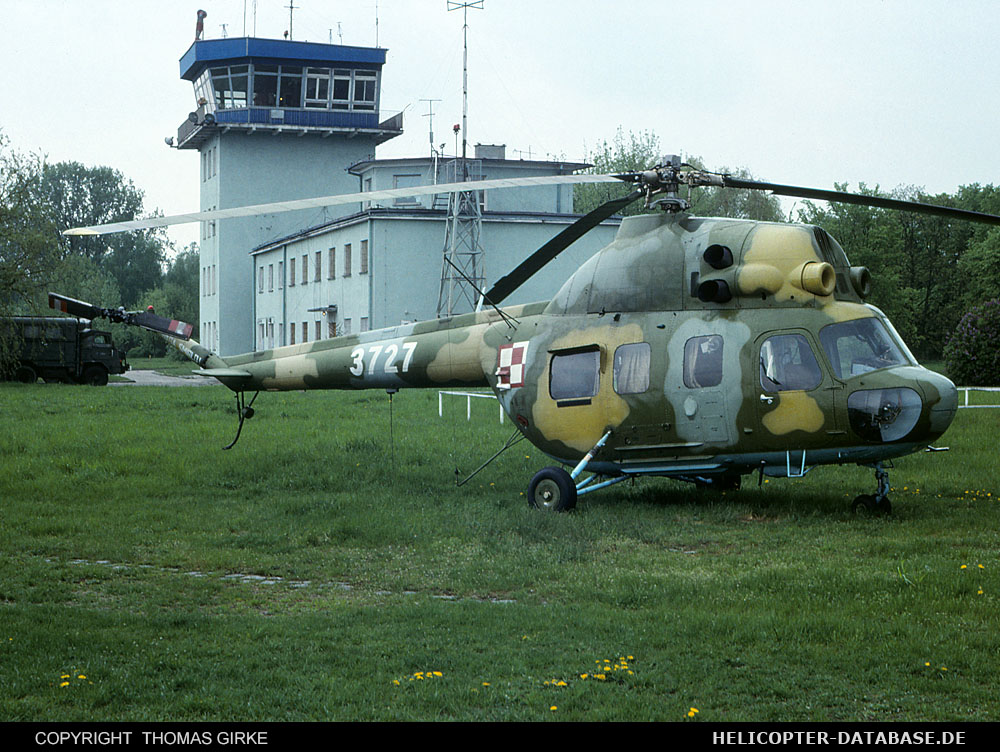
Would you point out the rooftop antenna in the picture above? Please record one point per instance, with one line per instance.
(376, 23)
(340, 33)
(430, 115)
(291, 8)
(464, 6)
(224, 34)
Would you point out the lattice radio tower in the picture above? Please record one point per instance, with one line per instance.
(462, 266)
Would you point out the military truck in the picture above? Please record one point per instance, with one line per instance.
(62, 349)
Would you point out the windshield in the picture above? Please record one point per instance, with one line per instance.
(859, 346)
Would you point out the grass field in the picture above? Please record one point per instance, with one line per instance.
(328, 568)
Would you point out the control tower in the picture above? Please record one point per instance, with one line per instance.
(274, 120)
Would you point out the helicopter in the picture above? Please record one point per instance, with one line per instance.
(699, 349)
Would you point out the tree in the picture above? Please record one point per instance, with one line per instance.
(640, 151)
(28, 249)
(81, 196)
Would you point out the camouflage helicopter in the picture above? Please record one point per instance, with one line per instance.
(694, 348)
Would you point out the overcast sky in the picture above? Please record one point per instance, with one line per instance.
(888, 93)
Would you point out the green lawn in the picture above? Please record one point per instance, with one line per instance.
(329, 568)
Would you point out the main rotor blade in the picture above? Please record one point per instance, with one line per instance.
(144, 319)
(527, 268)
(346, 198)
(861, 200)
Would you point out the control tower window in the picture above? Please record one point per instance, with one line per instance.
(230, 86)
(317, 87)
(290, 87)
(341, 89)
(265, 85)
(364, 90)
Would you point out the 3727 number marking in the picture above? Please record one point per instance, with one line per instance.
(390, 364)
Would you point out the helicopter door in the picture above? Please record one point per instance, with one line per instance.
(705, 391)
(795, 397)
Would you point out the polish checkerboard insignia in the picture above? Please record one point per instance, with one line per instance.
(510, 365)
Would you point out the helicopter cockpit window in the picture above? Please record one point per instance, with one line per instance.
(859, 346)
(631, 372)
(575, 375)
(787, 363)
(703, 361)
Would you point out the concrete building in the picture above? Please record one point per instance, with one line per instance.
(279, 120)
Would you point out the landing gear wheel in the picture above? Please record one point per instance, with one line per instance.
(869, 506)
(552, 489)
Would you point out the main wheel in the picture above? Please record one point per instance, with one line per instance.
(552, 489)
(95, 376)
(26, 375)
(869, 506)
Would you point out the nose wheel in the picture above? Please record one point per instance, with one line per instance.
(869, 505)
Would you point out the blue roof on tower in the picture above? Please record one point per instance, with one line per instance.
(207, 52)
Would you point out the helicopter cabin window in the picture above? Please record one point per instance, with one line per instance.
(575, 376)
(860, 346)
(631, 369)
(787, 364)
(703, 361)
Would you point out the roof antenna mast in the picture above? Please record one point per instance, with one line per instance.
(455, 5)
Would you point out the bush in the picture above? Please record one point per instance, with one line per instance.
(972, 355)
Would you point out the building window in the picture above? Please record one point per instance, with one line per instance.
(364, 257)
(305, 332)
(332, 271)
(347, 326)
(703, 361)
(291, 274)
(290, 86)
(347, 259)
(305, 268)
(319, 266)
(406, 181)
(291, 333)
(281, 274)
(260, 336)
(364, 323)
(317, 87)
(319, 330)
(331, 327)
(260, 284)
(365, 89)
(270, 277)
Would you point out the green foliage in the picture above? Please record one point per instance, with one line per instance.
(633, 152)
(972, 355)
(919, 278)
(81, 196)
(28, 251)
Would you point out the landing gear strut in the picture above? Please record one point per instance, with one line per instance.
(879, 503)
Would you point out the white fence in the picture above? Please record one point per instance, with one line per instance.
(968, 389)
(468, 402)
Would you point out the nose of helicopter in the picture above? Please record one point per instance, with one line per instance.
(940, 402)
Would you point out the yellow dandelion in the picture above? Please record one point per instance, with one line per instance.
(64, 684)
(602, 677)
(980, 591)
(396, 682)
(81, 676)
(553, 707)
(486, 684)
(927, 663)
(438, 673)
(980, 566)
(584, 676)
(963, 567)
(64, 676)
